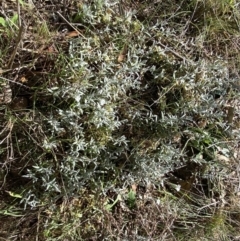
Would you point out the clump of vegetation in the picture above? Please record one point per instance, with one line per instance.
(121, 120)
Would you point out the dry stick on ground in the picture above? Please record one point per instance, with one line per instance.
(174, 53)
(13, 81)
(20, 33)
(19, 18)
(10, 62)
(66, 21)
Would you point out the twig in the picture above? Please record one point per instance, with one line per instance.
(38, 224)
(20, 27)
(19, 18)
(174, 52)
(13, 81)
(20, 32)
(211, 204)
(66, 21)
(19, 14)
(10, 62)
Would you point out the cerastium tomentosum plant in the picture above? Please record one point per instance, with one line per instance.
(130, 104)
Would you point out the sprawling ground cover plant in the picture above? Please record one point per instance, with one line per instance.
(126, 126)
